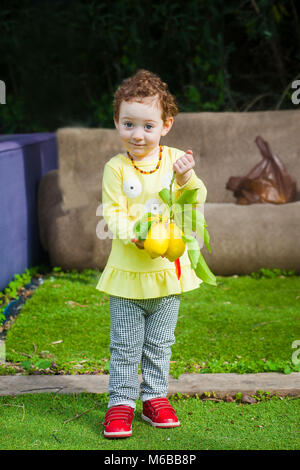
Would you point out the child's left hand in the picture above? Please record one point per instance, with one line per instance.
(183, 167)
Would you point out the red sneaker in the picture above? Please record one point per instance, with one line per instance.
(159, 413)
(118, 421)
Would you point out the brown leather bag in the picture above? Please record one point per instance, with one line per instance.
(267, 182)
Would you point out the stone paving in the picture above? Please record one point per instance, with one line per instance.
(191, 384)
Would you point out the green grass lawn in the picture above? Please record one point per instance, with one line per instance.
(53, 421)
(242, 325)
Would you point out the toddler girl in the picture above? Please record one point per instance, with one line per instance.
(144, 293)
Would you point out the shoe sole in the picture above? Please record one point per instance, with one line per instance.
(160, 425)
(115, 435)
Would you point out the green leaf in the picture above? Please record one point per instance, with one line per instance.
(188, 238)
(204, 273)
(142, 229)
(188, 196)
(206, 239)
(193, 251)
(26, 365)
(190, 219)
(42, 364)
(178, 215)
(144, 217)
(195, 219)
(165, 196)
(142, 226)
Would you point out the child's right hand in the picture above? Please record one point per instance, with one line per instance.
(139, 243)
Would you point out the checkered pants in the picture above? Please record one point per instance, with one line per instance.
(141, 332)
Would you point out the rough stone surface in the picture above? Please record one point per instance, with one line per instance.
(221, 384)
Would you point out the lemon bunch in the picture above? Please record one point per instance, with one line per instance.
(169, 234)
(165, 239)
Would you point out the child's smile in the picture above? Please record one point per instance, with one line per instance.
(140, 127)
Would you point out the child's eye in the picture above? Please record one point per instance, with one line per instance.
(128, 124)
(148, 127)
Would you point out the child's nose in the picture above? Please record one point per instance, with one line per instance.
(137, 133)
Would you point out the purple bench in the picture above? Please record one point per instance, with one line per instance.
(24, 160)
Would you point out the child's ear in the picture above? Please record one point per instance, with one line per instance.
(167, 126)
(116, 124)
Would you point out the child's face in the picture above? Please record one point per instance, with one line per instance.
(140, 126)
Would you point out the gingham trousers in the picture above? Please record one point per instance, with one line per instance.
(141, 332)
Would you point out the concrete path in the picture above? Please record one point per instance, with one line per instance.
(221, 384)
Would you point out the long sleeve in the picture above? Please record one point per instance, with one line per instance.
(114, 204)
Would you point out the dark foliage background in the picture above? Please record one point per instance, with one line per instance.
(62, 60)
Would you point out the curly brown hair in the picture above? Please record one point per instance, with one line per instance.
(141, 85)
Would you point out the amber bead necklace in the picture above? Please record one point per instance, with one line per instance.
(147, 172)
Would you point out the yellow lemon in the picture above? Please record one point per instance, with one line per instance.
(157, 240)
(176, 245)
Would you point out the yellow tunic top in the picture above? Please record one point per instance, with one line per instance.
(126, 195)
